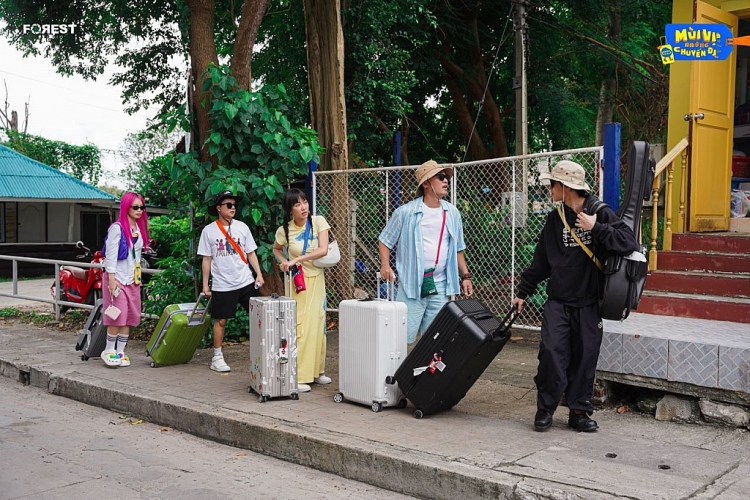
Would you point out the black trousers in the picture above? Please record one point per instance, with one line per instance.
(568, 353)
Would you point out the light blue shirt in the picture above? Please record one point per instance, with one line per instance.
(404, 232)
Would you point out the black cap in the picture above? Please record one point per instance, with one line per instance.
(221, 197)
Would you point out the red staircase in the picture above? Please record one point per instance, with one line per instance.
(704, 276)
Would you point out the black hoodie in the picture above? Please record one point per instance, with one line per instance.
(574, 279)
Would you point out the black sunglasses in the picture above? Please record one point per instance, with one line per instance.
(229, 205)
(138, 207)
(441, 176)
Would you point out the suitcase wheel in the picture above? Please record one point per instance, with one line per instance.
(294, 396)
(262, 398)
(390, 380)
(418, 414)
(401, 404)
(376, 407)
(338, 397)
(146, 352)
(78, 347)
(84, 357)
(250, 389)
(154, 365)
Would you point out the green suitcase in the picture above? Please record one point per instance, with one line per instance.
(178, 333)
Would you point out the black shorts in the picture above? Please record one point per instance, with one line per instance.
(224, 304)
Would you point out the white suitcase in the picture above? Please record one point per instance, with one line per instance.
(273, 347)
(372, 345)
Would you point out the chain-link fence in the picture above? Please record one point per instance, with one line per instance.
(502, 203)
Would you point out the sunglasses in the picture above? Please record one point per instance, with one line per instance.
(229, 205)
(441, 177)
(138, 207)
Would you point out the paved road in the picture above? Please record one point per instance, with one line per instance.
(55, 448)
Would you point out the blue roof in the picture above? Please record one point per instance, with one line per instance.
(24, 178)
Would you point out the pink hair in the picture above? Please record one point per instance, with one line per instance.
(126, 202)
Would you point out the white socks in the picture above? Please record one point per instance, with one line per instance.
(110, 343)
(122, 341)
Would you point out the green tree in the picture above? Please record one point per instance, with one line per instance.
(169, 33)
(82, 162)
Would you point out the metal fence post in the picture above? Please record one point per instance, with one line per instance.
(611, 195)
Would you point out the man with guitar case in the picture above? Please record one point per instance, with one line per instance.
(571, 248)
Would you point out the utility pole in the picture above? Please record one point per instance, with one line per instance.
(519, 81)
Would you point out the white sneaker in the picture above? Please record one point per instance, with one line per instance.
(323, 380)
(303, 388)
(218, 364)
(111, 358)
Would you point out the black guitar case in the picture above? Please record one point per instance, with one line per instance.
(624, 279)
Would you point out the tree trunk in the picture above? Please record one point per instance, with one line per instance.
(608, 89)
(325, 63)
(202, 49)
(247, 33)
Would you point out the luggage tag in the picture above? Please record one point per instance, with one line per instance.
(283, 352)
(435, 365)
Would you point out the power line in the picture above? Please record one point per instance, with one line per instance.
(63, 88)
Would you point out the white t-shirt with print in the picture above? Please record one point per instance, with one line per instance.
(228, 270)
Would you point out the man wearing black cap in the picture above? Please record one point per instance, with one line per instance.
(228, 249)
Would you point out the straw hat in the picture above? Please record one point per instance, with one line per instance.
(428, 170)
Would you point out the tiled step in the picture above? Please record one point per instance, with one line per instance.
(720, 284)
(723, 243)
(696, 306)
(713, 262)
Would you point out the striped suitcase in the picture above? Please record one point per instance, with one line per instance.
(178, 333)
(372, 345)
(93, 337)
(273, 347)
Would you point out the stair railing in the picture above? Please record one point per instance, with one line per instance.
(668, 163)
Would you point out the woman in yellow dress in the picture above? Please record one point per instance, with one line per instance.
(311, 303)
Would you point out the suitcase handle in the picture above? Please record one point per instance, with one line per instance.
(389, 290)
(506, 323)
(195, 308)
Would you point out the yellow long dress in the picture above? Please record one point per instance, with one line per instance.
(311, 316)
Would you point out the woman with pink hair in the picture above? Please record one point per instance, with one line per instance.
(121, 283)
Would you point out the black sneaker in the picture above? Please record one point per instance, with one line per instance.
(581, 422)
(542, 420)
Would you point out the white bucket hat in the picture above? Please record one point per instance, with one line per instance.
(568, 173)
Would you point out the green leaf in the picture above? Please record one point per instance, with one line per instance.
(256, 214)
(231, 110)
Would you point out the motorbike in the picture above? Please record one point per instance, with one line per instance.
(83, 286)
(148, 260)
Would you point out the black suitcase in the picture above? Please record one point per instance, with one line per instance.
(455, 350)
(93, 338)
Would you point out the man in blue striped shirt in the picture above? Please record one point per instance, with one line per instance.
(429, 239)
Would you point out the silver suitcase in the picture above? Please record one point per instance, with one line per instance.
(273, 347)
(372, 345)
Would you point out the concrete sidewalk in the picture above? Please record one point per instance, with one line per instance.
(483, 448)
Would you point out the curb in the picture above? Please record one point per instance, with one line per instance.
(401, 470)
